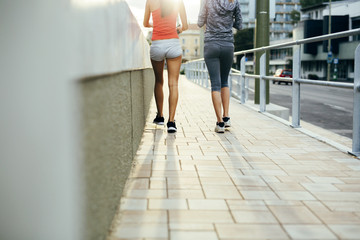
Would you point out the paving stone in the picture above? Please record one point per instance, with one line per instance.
(294, 215)
(193, 235)
(148, 216)
(145, 230)
(346, 231)
(250, 231)
(318, 232)
(167, 204)
(199, 216)
(207, 204)
(252, 217)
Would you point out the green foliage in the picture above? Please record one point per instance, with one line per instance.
(295, 16)
(244, 39)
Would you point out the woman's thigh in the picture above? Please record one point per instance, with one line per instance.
(226, 61)
(212, 60)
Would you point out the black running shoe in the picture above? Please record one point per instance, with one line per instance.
(159, 120)
(171, 127)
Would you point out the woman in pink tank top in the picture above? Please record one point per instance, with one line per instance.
(166, 46)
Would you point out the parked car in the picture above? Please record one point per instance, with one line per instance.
(283, 73)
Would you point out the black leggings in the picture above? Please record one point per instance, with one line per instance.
(218, 60)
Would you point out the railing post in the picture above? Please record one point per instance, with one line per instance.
(196, 72)
(202, 73)
(262, 83)
(230, 78)
(296, 87)
(356, 113)
(247, 89)
(206, 76)
(204, 69)
(243, 90)
(199, 72)
(238, 86)
(187, 70)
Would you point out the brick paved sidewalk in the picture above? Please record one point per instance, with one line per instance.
(259, 180)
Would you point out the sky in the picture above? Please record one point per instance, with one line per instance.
(138, 8)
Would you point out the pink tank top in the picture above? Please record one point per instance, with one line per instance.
(164, 27)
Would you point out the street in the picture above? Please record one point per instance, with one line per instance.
(326, 107)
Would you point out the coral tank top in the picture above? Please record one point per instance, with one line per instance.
(164, 27)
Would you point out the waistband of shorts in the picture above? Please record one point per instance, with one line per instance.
(171, 40)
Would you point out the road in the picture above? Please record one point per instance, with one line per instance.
(326, 107)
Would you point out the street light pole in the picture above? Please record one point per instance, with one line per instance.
(329, 44)
(262, 32)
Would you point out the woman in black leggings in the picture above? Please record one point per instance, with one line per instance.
(220, 16)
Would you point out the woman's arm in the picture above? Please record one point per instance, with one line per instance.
(183, 17)
(147, 15)
(238, 18)
(202, 14)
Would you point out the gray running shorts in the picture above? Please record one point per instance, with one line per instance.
(167, 48)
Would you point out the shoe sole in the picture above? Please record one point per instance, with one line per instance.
(220, 130)
(227, 124)
(171, 130)
(159, 123)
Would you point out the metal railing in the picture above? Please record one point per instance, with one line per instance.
(196, 71)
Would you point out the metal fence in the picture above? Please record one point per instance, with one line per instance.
(197, 72)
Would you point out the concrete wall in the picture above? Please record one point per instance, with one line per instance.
(70, 79)
(115, 109)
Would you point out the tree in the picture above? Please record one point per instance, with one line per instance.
(244, 39)
(295, 16)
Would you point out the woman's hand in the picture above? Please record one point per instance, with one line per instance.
(179, 29)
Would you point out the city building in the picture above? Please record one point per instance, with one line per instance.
(281, 25)
(248, 13)
(345, 15)
(190, 43)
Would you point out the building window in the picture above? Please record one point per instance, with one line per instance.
(184, 52)
(196, 52)
(183, 41)
(196, 40)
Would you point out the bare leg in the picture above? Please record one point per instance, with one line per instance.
(225, 98)
(158, 68)
(173, 67)
(216, 99)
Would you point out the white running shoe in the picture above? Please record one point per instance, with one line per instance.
(227, 121)
(220, 127)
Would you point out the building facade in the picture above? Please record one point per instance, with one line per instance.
(190, 43)
(345, 15)
(281, 25)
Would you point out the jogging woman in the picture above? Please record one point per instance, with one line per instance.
(220, 16)
(166, 46)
